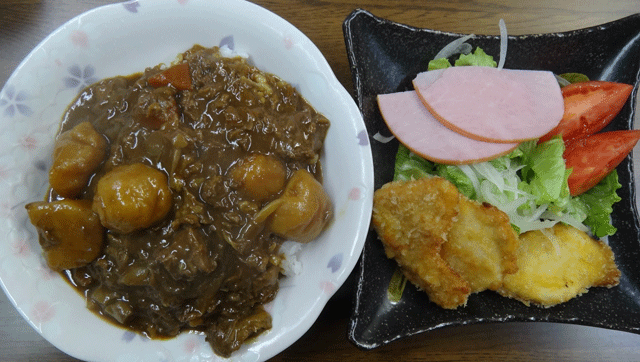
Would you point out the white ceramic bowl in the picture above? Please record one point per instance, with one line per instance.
(125, 38)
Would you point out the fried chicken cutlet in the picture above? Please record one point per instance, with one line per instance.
(558, 264)
(481, 245)
(445, 244)
(413, 219)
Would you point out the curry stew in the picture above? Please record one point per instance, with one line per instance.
(172, 191)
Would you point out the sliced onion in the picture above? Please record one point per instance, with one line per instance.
(567, 219)
(503, 43)
(465, 48)
(563, 82)
(455, 47)
(267, 210)
(382, 139)
(553, 239)
(466, 169)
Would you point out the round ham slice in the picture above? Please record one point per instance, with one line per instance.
(424, 135)
(493, 105)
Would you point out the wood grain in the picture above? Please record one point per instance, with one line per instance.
(24, 23)
(322, 21)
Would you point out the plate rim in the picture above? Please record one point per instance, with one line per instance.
(358, 91)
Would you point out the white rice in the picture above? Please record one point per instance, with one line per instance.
(290, 264)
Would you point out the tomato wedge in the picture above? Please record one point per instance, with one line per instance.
(178, 76)
(594, 156)
(589, 107)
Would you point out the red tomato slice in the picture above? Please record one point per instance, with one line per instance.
(589, 107)
(178, 76)
(593, 157)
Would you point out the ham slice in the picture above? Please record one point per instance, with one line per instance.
(424, 135)
(492, 105)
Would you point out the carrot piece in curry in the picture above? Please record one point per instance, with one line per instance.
(179, 76)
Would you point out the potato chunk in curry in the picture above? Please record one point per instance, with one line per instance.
(132, 197)
(76, 155)
(71, 235)
(260, 176)
(173, 171)
(303, 210)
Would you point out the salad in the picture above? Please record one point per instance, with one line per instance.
(543, 182)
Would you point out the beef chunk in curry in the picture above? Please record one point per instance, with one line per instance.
(173, 189)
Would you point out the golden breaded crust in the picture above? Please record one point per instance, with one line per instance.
(481, 245)
(412, 219)
(451, 246)
(558, 264)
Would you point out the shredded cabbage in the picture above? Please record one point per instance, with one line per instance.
(530, 183)
(525, 185)
(457, 46)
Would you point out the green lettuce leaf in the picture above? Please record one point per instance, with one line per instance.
(440, 63)
(600, 199)
(458, 178)
(545, 172)
(411, 167)
(478, 58)
(575, 77)
(529, 184)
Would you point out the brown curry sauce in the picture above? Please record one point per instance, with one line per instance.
(209, 264)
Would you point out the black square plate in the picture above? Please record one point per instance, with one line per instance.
(384, 58)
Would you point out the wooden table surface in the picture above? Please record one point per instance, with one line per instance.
(24, 23)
